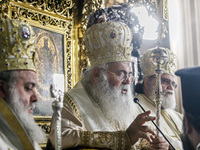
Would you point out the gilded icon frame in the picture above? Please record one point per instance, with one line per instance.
(56, 20)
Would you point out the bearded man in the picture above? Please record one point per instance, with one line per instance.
(170, 120)
(99, 111)
(17, 87)
(190, 85)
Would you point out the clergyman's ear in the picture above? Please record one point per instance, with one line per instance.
(146, 82)
(95, 74)
(3, 89)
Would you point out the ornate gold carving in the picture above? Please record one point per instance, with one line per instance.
(46, 14)
(20, 11)
(68, 56)
(165, 9)
(89, 7)
(43, 122)
(84, 61)
(52, 7)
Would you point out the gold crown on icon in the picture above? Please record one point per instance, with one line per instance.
(108, 42)
(148, 68)
(17, 45)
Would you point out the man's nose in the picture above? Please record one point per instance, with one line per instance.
(34, 97)
(127, 81)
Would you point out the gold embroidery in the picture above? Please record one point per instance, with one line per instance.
(18, 52)
(86, 137)
(72, 105)
(123, 140)
(143, 144)
(113, 140)
(103, 138)
(108, 42)
(148, 68)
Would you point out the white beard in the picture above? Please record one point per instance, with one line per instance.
(118, 108)
(169, 100)
(27, 120)
(168, 96)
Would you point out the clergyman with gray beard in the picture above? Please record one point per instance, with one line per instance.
(18, 129)
(170, 120)
(99, 112)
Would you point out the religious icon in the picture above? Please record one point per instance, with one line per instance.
(49, 61)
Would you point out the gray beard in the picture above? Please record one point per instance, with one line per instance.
(169, 100)
(118, 108)
(34, 131)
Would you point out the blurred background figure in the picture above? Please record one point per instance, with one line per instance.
(190, 85)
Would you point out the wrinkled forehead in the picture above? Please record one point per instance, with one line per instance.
(164, 75)
(127, 66)
(27, 76)
(168, 76)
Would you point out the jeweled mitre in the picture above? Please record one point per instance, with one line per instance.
(17, 45)
(108, 42)
(148, 68)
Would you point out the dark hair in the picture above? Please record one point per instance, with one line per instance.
(139, 88)
(194, 120)
(8, 77)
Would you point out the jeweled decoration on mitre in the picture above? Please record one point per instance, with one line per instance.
(148, 68)
(108, 42)
(17, 45)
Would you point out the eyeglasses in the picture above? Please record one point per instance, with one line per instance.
(168, 82)
(123, 76)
